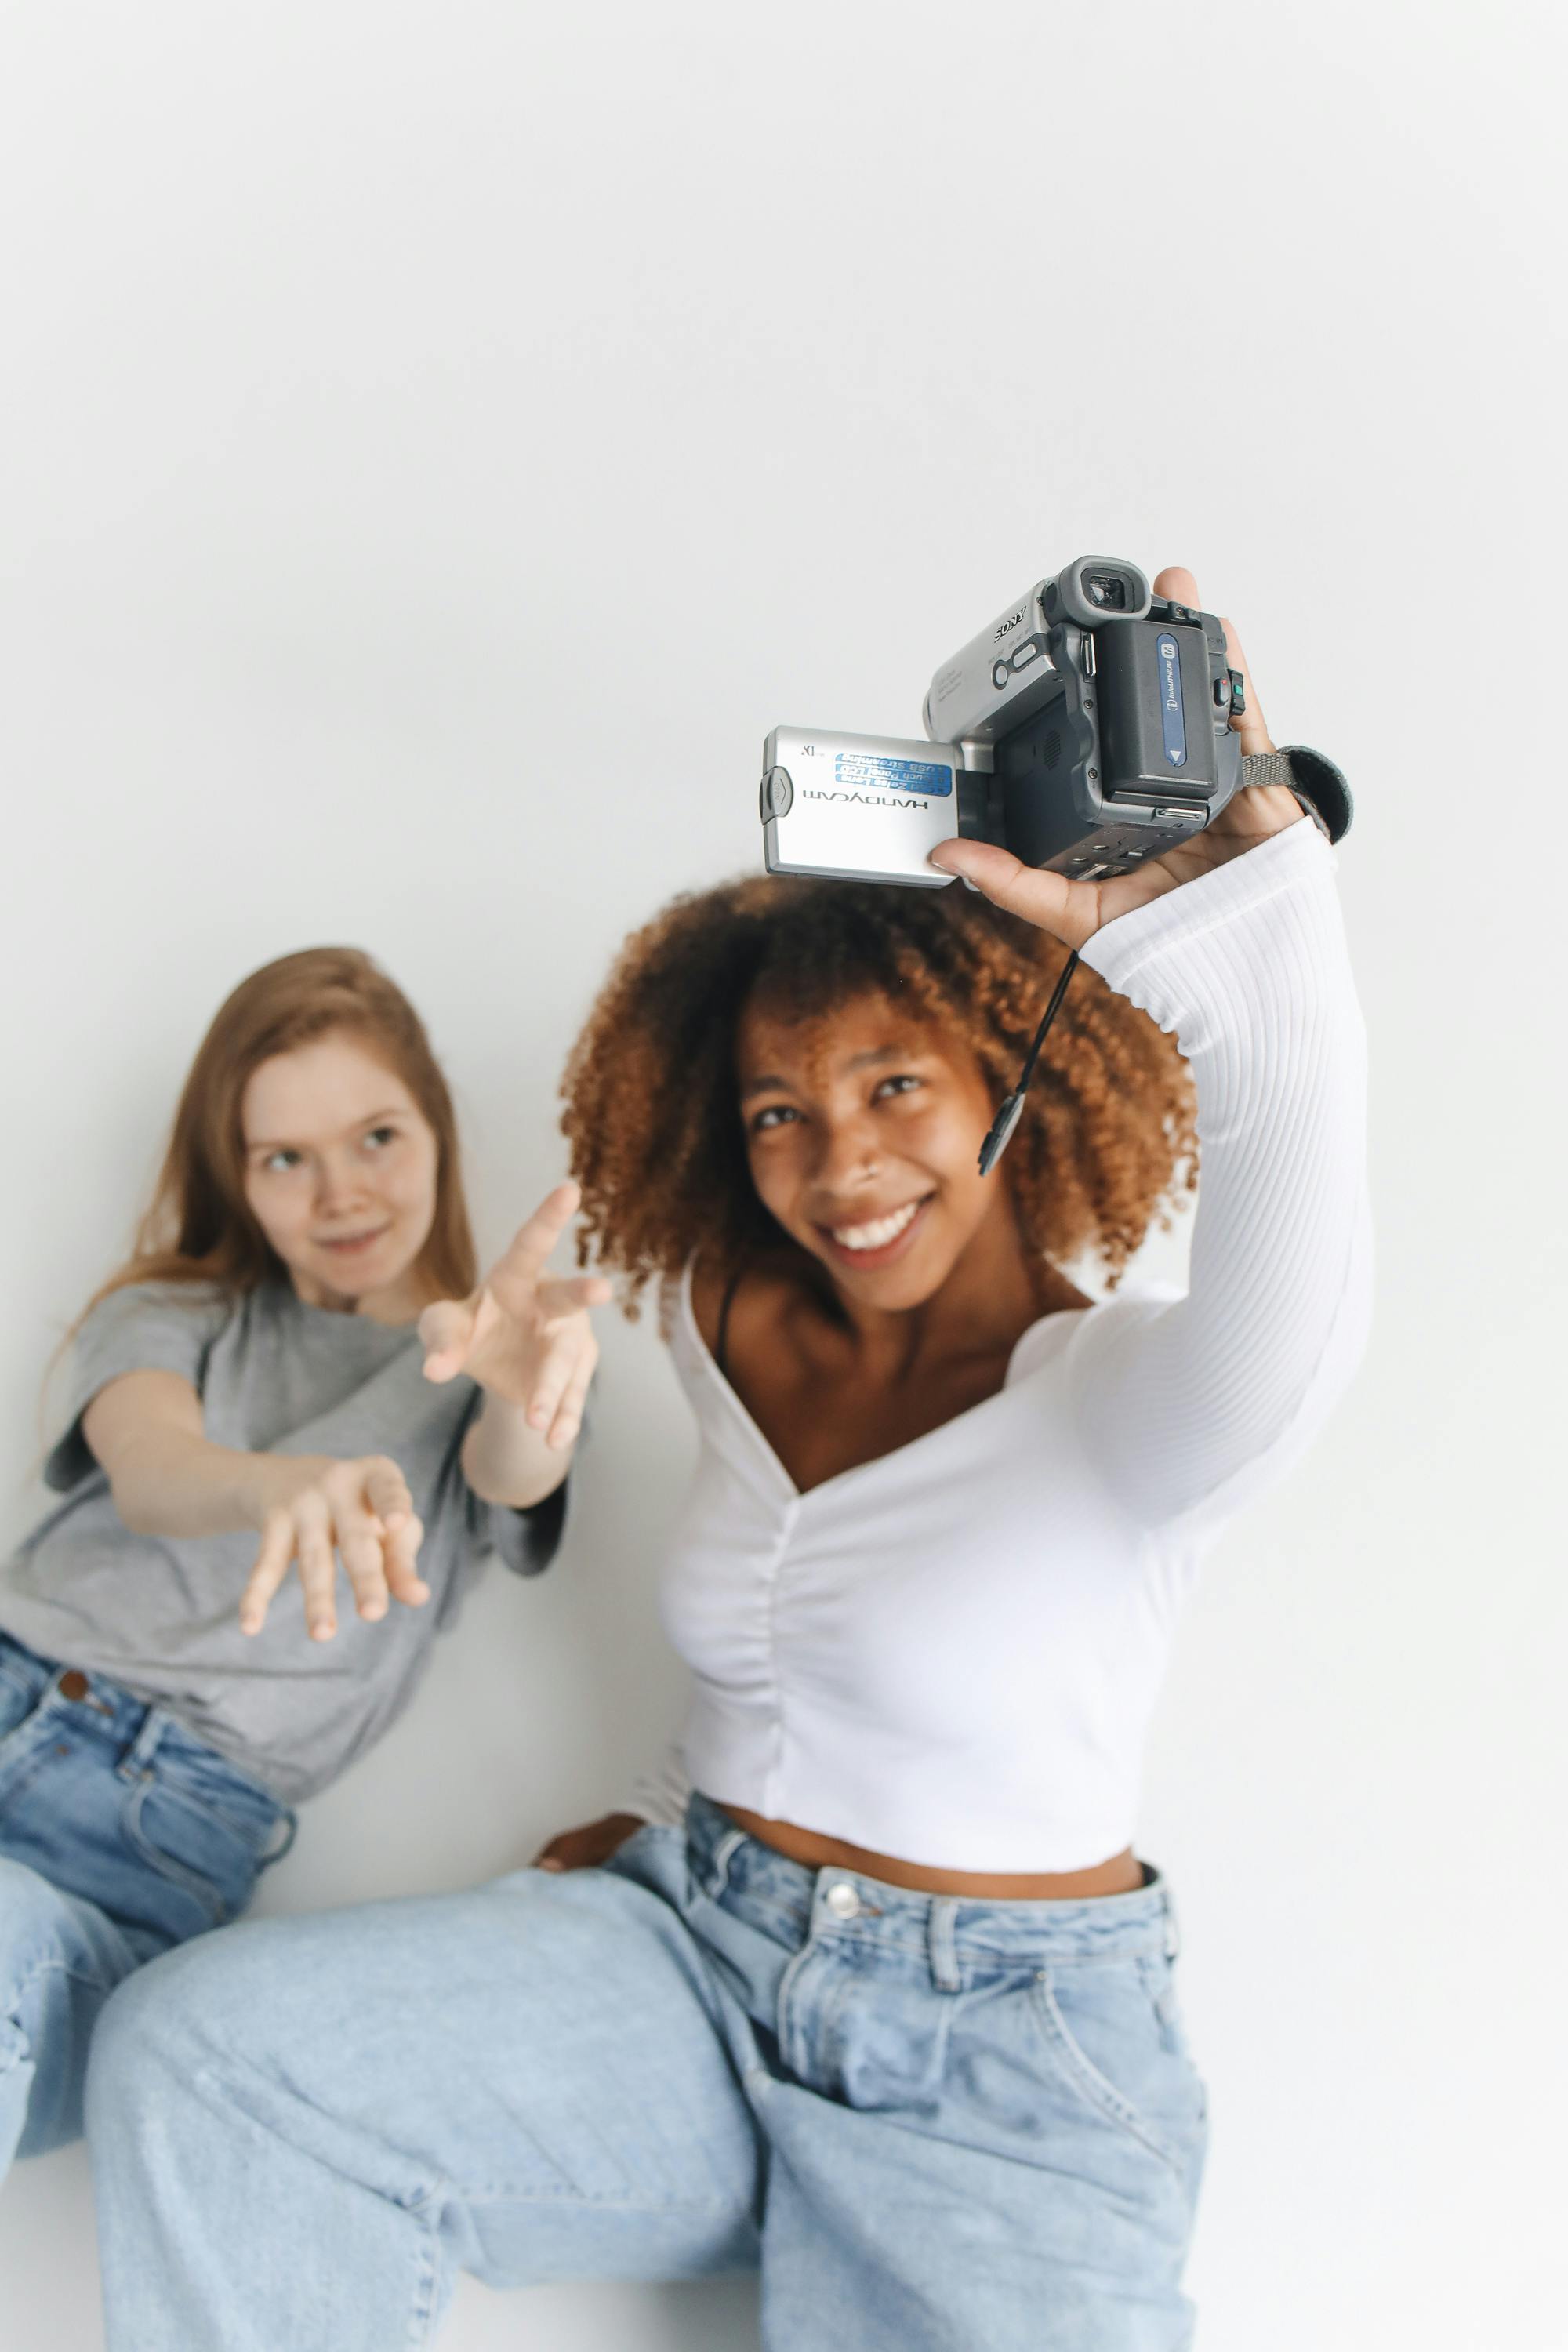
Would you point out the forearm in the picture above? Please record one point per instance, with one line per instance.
(166, 1482)
(1261, 999)
(508, 1463)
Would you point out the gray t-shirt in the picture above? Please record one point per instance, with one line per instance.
(160, 1614)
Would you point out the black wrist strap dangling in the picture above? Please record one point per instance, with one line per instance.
(1012, 1110)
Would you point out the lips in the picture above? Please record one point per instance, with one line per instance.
(876, 1240)
(346, 1245)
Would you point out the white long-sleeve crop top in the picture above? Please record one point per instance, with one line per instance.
(951, 1654)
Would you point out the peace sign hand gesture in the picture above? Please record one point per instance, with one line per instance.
(1073, 912)
(523, 1335)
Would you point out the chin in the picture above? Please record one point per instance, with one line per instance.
(907, 1283)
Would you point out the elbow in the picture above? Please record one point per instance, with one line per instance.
(134, 1505)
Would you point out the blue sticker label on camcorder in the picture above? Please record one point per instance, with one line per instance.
(1173, 714)
(863, 771)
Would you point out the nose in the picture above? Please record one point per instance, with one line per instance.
(849, 1158)
(340, 1185)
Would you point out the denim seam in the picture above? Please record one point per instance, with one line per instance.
(491, 2194)
(985, 1962)
(423, 2203)
(422, 2326)
(23, 1984)
(784, 2017)
(1094, 2086)
(201, 1890)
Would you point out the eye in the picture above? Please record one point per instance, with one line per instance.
(380, 1137)
(278, 1162)
(775, 1115)
(902, 1083)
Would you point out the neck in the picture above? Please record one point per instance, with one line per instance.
(397, 1302)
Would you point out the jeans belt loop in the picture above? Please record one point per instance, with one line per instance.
(942, 1949)
(288, 1822)
(724, 1853)
(138, 1756)
(1173, 1929)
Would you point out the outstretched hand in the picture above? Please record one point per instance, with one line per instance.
(523, 1335)
(1073, 912)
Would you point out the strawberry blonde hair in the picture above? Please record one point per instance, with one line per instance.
(198, 1227)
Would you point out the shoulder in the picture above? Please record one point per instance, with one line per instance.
(708, 1286)
(189, 1306)
(761, 1294)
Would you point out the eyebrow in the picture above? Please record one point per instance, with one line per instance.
(286, 1143)
(856, 1062)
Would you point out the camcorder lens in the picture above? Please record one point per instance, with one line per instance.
(1111, 593)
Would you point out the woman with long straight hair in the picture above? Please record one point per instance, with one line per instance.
(296, 1368)
(891, 2011)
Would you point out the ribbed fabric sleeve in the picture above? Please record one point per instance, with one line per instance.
(1186, 1404)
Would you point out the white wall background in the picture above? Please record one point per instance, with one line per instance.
(436, 443)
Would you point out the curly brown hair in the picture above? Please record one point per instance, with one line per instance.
(1107, 1138)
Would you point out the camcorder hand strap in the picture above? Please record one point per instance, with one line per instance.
(1317, 784)
(1012, 1110)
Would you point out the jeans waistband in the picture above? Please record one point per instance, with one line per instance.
(962, 1933)
(131, 1729)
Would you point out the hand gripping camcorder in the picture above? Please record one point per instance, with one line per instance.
(1086, 729)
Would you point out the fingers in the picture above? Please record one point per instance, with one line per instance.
(445, 1332)
(399, 1551)
(595, 1843)
(1046, 899)
(568, 1420)
(271, 1567)
(379, 1542)
(565, 1373)
(1251, 725)
(1176, 583)
(317, 1566)
(573, 1295)
(359, 1548)
(525, 1260)
(386, 1494)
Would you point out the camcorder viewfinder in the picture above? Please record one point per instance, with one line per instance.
(1087, 729)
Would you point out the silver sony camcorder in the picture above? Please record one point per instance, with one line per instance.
(1085, 730)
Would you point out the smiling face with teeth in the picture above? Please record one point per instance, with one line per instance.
(863, 1130)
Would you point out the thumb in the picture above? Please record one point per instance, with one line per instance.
(1040, 897)
(444, 1330)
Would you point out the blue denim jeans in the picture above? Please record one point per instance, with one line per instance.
(938, 2125)
(120, 1834)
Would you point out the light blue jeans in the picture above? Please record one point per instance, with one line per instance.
(935, 2124)
(120, 1834)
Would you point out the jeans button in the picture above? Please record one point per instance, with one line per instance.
(841, 1900)
(73, 1684)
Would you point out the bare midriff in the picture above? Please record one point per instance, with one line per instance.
(1121, 1876)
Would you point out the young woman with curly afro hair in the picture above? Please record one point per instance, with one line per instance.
(884, 2002)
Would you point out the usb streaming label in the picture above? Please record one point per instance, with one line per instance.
(1172, 712)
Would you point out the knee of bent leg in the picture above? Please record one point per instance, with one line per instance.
(175, 2016)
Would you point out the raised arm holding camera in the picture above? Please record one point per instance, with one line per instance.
(892, 2012)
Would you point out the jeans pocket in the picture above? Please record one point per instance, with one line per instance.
(1111, 2029)
(173, 1828)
